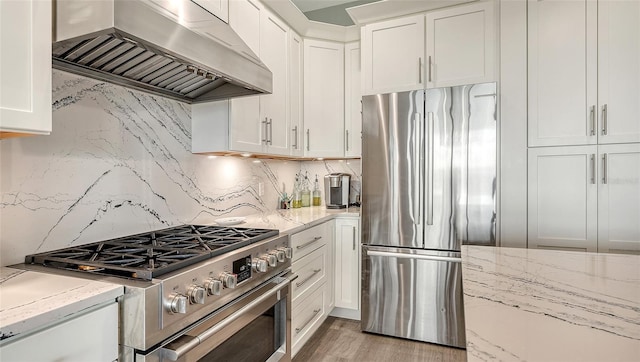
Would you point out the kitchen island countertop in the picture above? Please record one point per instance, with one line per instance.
(31, 300)
(543, 305)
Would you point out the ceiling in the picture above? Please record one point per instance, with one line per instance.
(329, 11)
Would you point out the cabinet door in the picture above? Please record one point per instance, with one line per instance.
(324, 98)
(619, 198)
(619, 71)
(562, 72)
(25, 67)
(347, 265)
(274, 46)
(393, 55)
(352, 101)
(460, 45)
(247, 130)
(562, 198)
(295, 94)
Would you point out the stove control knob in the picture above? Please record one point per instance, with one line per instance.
(228, 280)
(178, 303)
(288, 252)
(279, 254)
(259, 265)
(213, 286)
(196, 294)
(271, 259)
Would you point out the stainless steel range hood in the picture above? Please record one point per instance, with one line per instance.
(172, 48)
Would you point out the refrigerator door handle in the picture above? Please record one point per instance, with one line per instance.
(418, 152)
(430, 132)
(414, 256)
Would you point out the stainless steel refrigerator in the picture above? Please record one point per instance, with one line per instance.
(428, 186)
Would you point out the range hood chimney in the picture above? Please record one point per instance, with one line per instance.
(172, 48)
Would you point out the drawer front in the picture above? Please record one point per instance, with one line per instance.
(308, 240)
(311, 270)
(306, 317)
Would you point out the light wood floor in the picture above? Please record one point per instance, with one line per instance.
(340, 340)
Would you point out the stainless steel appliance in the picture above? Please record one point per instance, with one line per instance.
(336, 190)
(175, 49)
(429, 186)
(192, 292)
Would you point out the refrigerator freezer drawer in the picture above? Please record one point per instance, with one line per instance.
(414, 294)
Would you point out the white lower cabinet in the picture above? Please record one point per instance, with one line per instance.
(619, 198)
(585, 198)
(312, 291)
(75, 339)
(347, 268)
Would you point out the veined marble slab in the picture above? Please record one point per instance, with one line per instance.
(543, 305)
(31, 300)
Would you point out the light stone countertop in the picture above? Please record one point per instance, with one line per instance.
(31, 300)
(291, 221)
(543, 305)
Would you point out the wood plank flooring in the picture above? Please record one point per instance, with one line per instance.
(340, 340)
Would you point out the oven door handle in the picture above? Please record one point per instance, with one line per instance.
(177, 353)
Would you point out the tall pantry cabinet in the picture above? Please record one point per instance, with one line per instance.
(584, 125)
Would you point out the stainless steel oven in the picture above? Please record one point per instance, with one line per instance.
(255, 327)
(192, 292)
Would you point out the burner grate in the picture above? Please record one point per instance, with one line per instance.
(149, 255)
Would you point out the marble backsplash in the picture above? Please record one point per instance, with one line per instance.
(119, 162)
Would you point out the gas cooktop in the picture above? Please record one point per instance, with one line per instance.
(152, 254)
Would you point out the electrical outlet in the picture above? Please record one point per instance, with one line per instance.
(260, 189)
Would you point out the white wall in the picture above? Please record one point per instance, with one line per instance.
(120, 162)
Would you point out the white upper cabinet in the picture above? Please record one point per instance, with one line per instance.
(25, 67)
(562, 72)
(295, 94)
(219, 8)
(255, 124)
(460, 45)
(393, 55)
(584, 72)
(562, 198)
(619, 198)
(442, 48)
(274, 50)
(619, 71)
(352, 101)
(323, 98)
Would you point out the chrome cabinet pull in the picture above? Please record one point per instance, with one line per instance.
(309, 242)
(604, 120)
(308, 139)
(593, 168)
(295, 138)
(304, 325)
(264, 132)
(430, 64)
(315, 271)
(419, 69)
(604, 169)
(592, 118)
(270, 131)
(354, 237)
(347, 138)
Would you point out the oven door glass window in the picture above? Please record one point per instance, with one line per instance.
(257, 341)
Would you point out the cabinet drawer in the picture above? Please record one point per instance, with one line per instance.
(306, 317)
(311, 270)
(308, 240)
